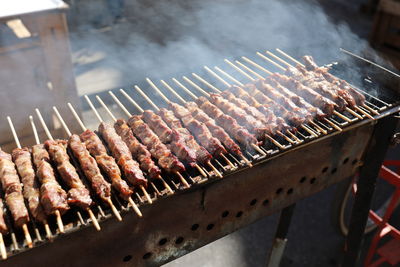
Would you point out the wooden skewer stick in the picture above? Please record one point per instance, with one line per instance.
(249, 70)
(218, 173)
(181, 178)
(101, 120)
(341, 116)
(49, 235)
(156, 108)
(289, 57)
(109, 201)
(370, 109)
(271, 61)
(364, 113)
(333, 125)
(57, 213)
(295, 137)
(134, 206)
(115, 119)
(354, 113)
(319, 128)
(229, 76)
(308, 130)
(279, 59)
(254, 146)
(27, 235)
(3, 250)
(88, 210)
(251, 62)
(195, 97)
(240, 70)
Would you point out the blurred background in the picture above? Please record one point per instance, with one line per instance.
(53, 52)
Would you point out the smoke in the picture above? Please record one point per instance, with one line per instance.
(173, 38)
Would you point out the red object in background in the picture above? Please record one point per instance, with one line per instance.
(390, 251)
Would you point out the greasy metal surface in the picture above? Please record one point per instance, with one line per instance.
(176, 225)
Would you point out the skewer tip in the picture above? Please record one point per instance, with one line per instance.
(135, 207)
(147, 196)
(27, 235)
(94, 219)
(114, 210)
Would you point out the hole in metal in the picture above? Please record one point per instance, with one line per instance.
(239, 214)
(324, 170)
(224, 214)
(265, 202)
(162, 241)
(210, 226)
(313, 180)
(290, 191)
(303, 179)
(147, 255)
(333, 170)
(195, 227)
(127, 258)
(279, 191)
(345, 160)
(253, 202)
(179, 240)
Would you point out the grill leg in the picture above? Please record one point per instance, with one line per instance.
(375, 155)
(280, 240)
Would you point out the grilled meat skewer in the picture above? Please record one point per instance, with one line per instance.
(12, 188)
(52, 196)
(269, 123)
(89, 167)
(123, 156)
(166, 160)
(172, 138)
(138, 150)
(23, 161)
(217, 131)
(344, 87)
(247, 121)
(290, 116)
(3, 225)
(228, 123)
(78, 194)
(317, 100)
(106, 163)
(200, 131)
(168, 116)
(272, 115)
(296, 99)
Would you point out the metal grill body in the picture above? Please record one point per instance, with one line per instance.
(200, 215)
(177, 224)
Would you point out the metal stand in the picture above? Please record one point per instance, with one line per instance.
(375, 154)
(280, 240)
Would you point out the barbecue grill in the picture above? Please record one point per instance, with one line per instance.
(227, 193)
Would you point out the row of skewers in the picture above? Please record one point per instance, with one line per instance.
(128, 155)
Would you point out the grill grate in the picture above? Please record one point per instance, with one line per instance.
(313, 131)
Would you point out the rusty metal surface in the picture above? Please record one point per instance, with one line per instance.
(178, 224)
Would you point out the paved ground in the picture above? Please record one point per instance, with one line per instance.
(165, 41)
